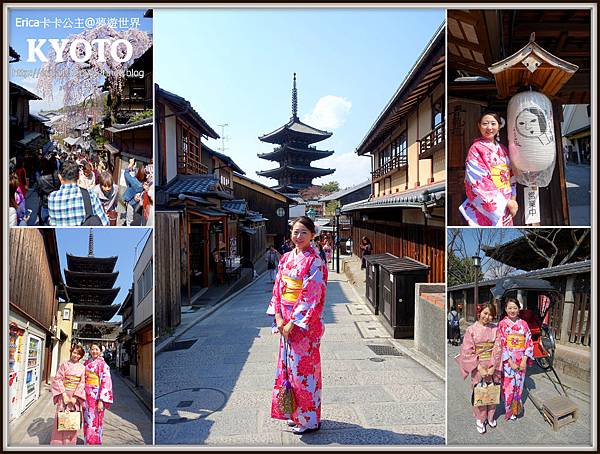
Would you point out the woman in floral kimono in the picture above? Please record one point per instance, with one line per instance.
(68, 393)
(489, 183)
(480, 358)
(98, 396)
(517, 347)
(297, 304)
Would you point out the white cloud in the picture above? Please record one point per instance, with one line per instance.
(350, 169)
(330, 112)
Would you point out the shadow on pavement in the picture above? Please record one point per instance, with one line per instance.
(353, 434)
(42, 429)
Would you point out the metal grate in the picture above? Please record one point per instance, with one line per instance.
(384, 350)
(181, 345)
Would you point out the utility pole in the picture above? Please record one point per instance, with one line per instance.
(223, 137)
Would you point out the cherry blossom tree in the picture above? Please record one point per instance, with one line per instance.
(81, 80)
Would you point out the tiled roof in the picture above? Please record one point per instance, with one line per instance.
(226, 159)
(413, 198)
(238, 206)
(341, 193)
(192, 184)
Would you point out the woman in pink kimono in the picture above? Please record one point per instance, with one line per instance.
(517, 352)
(479, 358)
(98, 396)
(68, 393)
(489, 183)
(297, 306)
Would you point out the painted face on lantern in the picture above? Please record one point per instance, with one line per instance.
(531, 122)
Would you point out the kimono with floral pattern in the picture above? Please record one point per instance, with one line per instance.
(98, 387)
(69, 378)
(489, 185)
(481, 345)
(515, 338)
(299, 295)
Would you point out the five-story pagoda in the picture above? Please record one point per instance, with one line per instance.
(294, 153)
(90, 283)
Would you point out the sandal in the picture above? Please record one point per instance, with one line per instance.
(492, 423)
(480, 426)
(291, 423)
(301, 430)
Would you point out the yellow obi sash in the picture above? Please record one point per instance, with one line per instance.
(501, 176)
(483, 350)
(515, 341)
(71, 382)
(291, 288)
(92, 379)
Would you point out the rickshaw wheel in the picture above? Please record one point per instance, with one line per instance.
(544, 362)
(548, 343)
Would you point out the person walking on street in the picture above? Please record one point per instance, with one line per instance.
(366, 248)
(272, 258)
(66, 206)
(453, 326)
(297, 307)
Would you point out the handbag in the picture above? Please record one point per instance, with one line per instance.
(286, 403)
(69, 420)
(486, 394)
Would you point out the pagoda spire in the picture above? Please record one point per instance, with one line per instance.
(91, 244)
(294, 100)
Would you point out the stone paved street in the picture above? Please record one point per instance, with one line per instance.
(216, 390)
(127, 423)
(579, 193)
(529, 430)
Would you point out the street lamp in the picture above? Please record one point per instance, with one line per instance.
(337, 238)
(476, 264)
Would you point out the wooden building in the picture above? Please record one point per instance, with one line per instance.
(405, 213)
(478, 40)
(294, 152)
(142, 355)
(273, 205)
(35, 287)
(196, 209)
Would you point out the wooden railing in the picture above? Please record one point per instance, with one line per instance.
(433, 141)
(189, 165)
(395, 163)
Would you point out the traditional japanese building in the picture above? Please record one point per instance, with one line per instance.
(90, 281)
(295, 153)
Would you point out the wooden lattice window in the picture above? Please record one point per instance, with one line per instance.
(188, 151)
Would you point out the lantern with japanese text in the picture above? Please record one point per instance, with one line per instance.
(531, 138)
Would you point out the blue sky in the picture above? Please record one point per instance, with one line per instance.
(22, 27)
(492, 236)
(126, 244)
(236, 67)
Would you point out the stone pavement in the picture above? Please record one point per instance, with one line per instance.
(215, 389)
(128, 422)
(528, 430)
(579, 183)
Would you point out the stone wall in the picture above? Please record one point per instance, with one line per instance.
(430, 321)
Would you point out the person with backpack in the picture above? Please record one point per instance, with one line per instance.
(72, 205)
(453, 327)
(272, 258)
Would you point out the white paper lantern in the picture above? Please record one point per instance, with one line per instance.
(531, 138)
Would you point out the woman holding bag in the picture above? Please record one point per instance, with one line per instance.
(98, 396)
(479, 357)
(297, 307)
(68, 394)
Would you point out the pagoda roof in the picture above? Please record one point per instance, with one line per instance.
(291, 189)
(313, 171)
(295, 130)
(92, 296)
(90, 263)
(84, 313)
(311, 153)
(83, 279)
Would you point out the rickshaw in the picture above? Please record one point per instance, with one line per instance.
(538, 297)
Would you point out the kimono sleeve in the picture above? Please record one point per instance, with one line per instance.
(504, 353)
(80, 390)
(528, 342)
(497, 351)
(481, 189)
(467, 359)
(105, 393)
(58, 383)
(313, 285)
